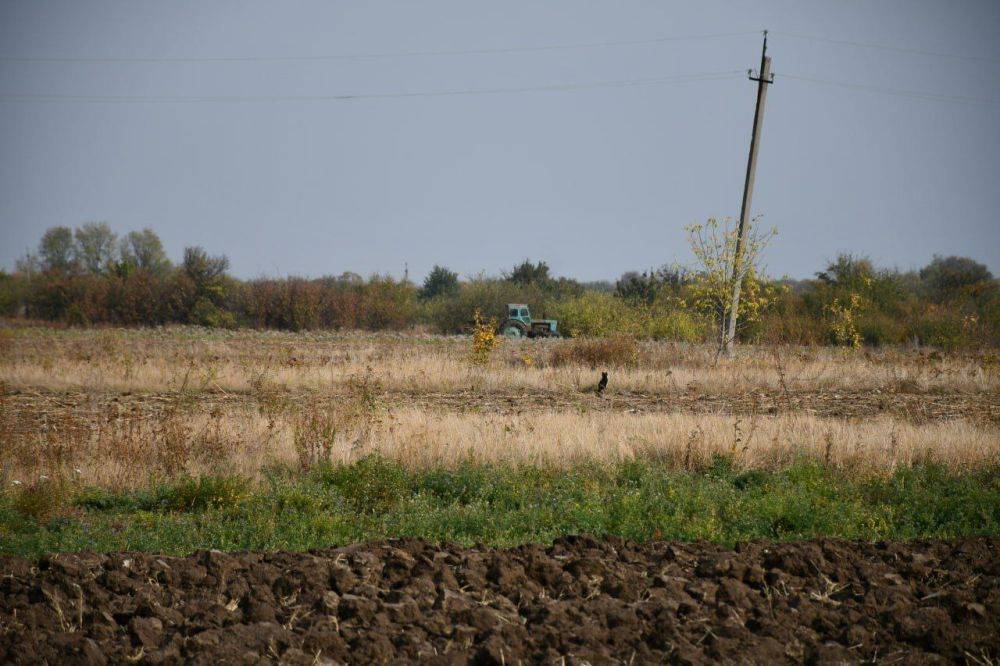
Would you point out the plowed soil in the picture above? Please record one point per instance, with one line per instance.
(983, 407)
(582, 600)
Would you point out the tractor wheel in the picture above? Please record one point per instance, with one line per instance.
(512, 328)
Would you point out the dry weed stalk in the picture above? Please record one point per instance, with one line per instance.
(317, 427)
(129, 445)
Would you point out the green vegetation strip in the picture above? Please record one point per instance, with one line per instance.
(500, 505)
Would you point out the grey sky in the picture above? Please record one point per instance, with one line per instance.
(595, 181)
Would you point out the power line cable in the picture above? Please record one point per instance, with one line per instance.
(883, 47)
(914, 94)
(558, 87)
(128, 99)
(365, 56)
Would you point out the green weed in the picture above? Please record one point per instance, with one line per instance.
(506, 504)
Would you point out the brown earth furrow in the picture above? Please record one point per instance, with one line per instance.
(980, 407)
(582, 600)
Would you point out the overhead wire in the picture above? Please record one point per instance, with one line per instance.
(365, 56)
(127, 99)
(884, 47)
(131, 99)
(915, 94)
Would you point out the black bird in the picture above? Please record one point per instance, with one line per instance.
(603, 384)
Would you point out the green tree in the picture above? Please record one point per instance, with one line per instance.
(645, 287)
(206, 276)
(204, 270)
(27, 265)
(848, 272)
(527, 273)
(57, 250)
(718, 270)
(882, 289)
(945, 277)
(144, 250)
(439, 281)
(95, 246)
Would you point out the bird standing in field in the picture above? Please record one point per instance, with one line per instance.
(603, 384)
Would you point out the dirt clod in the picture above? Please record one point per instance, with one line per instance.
(582, 600)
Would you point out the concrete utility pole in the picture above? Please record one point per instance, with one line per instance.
(763, 80)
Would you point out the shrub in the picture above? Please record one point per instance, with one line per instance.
(678, 325)
(43, 499)
(11, 293)
(878, 329)
(101, 499)
(484, 339)
(291, 304)
(842, 317)
(200, 493)
(940, 329)
(373, 484)
(207, 313)
(137, 298)
(387, 304)
(597, 314)
(788, 321)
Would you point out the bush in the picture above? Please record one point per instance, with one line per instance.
(789, 321)
(596, 315)
(11, 294)
(292, 304)
(940, 329)
(878, 329)
(387, 304)
(373, 484)
(200, 493)
(42, 500)
(605, 315)
(207, 313)
(677, 325)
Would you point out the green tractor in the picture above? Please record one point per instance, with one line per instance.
(519, 324)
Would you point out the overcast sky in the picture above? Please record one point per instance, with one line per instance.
(596, 181)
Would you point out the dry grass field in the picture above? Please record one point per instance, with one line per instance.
(113, 407)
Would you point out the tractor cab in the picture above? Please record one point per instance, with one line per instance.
(519, 324)
(519, 311)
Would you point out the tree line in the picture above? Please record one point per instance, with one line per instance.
(89, 276)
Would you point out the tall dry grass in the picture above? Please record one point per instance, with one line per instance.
(309, 398)
(178, 360)
(124, 448)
